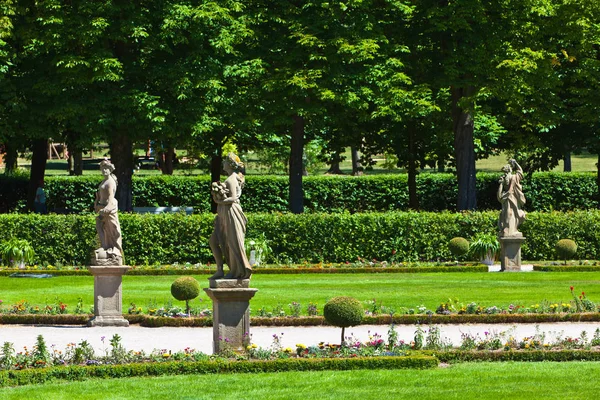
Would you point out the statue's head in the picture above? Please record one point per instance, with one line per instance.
(106, 164)
(234, 162)
(506, 169)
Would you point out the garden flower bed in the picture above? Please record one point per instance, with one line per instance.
(41, 363)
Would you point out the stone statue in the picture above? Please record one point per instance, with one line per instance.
(227, 239)
(510, 195)
(107, 220)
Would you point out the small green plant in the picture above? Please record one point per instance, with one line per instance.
(185, 289)
(16, 252)
(258, 250)
(566, 249)
(458, 246)
(484, 247)
(343, 312)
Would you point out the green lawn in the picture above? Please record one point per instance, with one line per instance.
(391, 290)
(548, 380)
(584, 162)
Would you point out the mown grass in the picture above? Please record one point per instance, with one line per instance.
(397, 291)
(548, 380)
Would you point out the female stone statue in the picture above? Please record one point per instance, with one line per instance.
(107, 220)
(510, 195)
(227, 239)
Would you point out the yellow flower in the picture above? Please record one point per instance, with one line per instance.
(287, 350)
(301, 346)
(166, 355)
(254, 345)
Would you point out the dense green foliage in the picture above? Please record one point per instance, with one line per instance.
(544, 191)
(343, 237)
(566, 249)
(37, 376)
(185, 288)
(343, 311)
(458, 246)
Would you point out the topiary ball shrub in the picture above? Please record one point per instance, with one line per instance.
(458, 246)
(566, 249)
(185, 289)
(343, 312)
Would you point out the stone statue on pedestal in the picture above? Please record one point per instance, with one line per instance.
(510, 195)
(110, 251)
(227, 239)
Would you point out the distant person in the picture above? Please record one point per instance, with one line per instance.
(39, 204)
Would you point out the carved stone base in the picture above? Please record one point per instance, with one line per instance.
(108, 310)
(231, 314)
(510, 253)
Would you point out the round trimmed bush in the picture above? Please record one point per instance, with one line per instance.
(343, 312)
(566, 249)
(185, 288)
(458, 246)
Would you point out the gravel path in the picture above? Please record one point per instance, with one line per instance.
(175, 339)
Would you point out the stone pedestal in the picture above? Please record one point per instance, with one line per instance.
(510, 253)
(108, 310)
(231, 313)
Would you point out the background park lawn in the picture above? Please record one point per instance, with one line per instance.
(548, 380)
(393, 290)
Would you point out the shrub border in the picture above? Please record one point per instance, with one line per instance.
(141, 271)
(77, 373)
(405, 319)
(456, 356)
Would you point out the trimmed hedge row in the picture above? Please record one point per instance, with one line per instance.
(544, 191)
(405, 319)
(260, 270)
(455, 356)
(330, 238)
(78, 373)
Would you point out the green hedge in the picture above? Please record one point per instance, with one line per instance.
(520, 356)
(404, 319)
(77, 373)
(337, 238)
(168, 270)
(544, 191)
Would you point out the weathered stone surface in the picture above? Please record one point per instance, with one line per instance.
(227, 239)
(228, 283)
(510, 253)
(108, 295)
(107, 219)
(231, 317)
(510, 195)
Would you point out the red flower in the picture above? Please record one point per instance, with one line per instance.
(393, 252)
(571, 288)
(583, 294)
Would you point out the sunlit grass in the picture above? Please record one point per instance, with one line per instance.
(548, 380)
(391, 290)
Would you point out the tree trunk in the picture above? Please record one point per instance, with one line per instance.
(464, 149)
(75, 162)
(413, 200)
(357, 169)
(10, 158)
(121, 155)
(334, 168)
(77, 154)
(38, 169)
(167, 165)
(567, 162)
(441, 163)
(296, 168)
